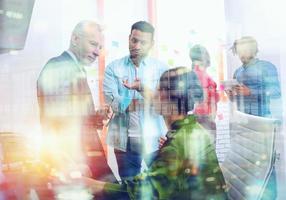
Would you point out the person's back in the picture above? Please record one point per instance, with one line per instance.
(209, 105)
(187, 166)
(205, 110)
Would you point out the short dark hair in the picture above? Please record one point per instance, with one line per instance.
(200, 53)
(144, 27)
(183, 88)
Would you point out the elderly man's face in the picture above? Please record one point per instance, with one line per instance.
(140, 44)
(89, 44)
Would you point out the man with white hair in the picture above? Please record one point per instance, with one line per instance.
(67, 112)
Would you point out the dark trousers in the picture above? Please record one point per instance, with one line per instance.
(129, 162)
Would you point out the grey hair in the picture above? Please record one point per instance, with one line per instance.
(79, 28)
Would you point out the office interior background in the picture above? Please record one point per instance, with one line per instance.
(178, 25)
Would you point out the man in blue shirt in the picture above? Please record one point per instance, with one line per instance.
(129, 84)
(258, 84)
(258, 80)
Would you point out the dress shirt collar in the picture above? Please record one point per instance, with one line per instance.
(251, 62)
(128, 61)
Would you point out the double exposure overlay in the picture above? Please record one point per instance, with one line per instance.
(145, 99)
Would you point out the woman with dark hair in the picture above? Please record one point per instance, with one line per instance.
(186, 166)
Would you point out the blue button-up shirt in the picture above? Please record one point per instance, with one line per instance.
(119, 97)
(262, 80)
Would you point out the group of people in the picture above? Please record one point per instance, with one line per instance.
(156, 115)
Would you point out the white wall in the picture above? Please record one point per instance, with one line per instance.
(184, 23)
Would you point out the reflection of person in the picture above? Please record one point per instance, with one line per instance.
(186, 166)
(258, 80)
(128, 84)
(206, 110)
(68, 117)
(258, 84)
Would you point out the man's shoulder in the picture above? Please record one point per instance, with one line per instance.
(265, 64)
(58, 66)
(61, 59)
(238, 70)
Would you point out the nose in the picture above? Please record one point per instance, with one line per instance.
(137, 45)
(96, 51)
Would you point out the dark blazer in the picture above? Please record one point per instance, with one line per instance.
(67, 113)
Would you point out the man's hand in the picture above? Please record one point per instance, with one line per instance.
(136, 85)
(242, 90)
(238, 90)
(230, 93)
(162, 141)
(103, 116)
(109, 115)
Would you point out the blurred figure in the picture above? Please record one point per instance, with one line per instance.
(186, 166)
(258, 80)
(67, 113)
(258, 84)
(206, 110)
(129, 84)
